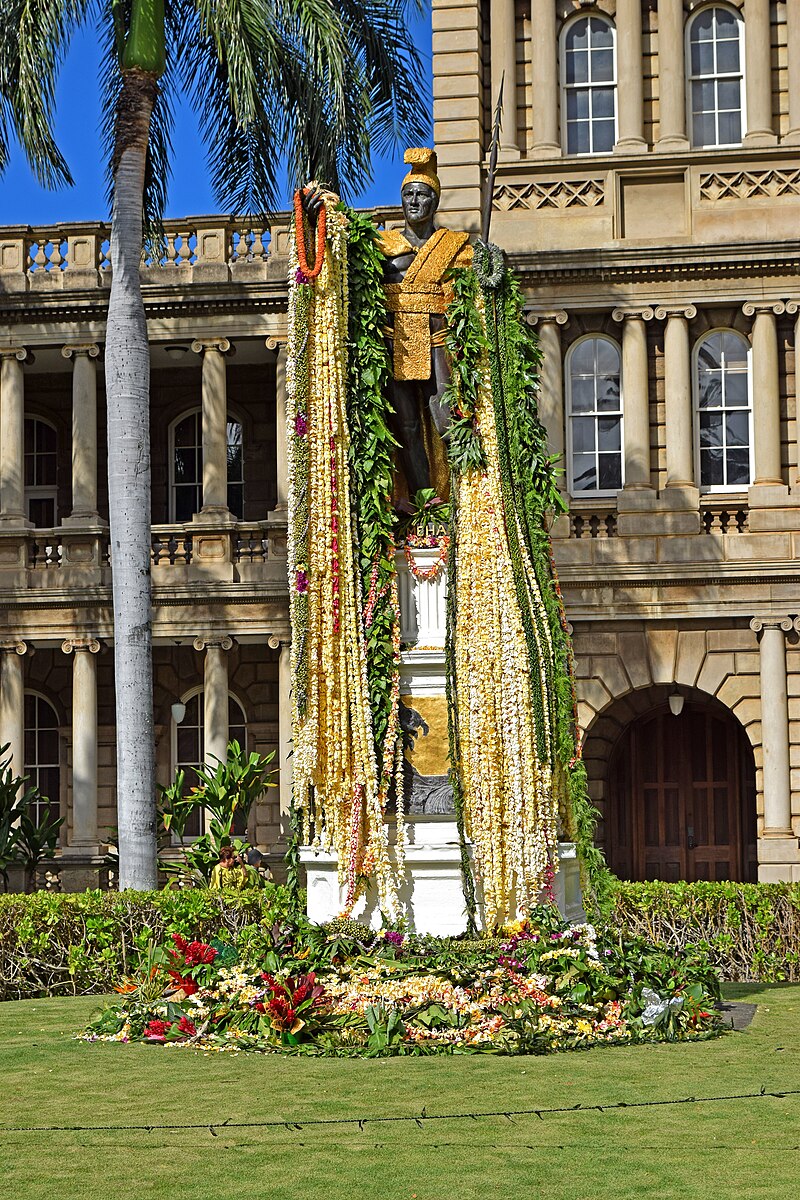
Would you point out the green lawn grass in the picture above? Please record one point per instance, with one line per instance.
(739, 1148)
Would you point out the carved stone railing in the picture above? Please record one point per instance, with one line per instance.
(80, 254)
(724, 518)
(170, 546)
(585, 523)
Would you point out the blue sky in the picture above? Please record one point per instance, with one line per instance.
(24, 202)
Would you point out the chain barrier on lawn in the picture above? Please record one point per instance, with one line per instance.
(419, 1118)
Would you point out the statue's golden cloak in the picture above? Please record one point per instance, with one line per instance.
(423, 293)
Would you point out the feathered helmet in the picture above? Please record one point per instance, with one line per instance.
(423, 168)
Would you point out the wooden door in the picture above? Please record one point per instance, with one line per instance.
(681, 802)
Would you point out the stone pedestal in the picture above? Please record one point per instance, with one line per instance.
(432, 895)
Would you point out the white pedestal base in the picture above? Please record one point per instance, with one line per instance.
(432, 896)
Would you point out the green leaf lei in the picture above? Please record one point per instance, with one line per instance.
(372, 467)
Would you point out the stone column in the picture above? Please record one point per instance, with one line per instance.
(544, 69)
(281, 447)
(793, 306)
(630, 95)
(766, 392)
(793, 55)
(678, 395)
(635, 395)
(84, 431)
(551, 376)
(12, 434)
(215, 427)
(12, 703)
(84, 743)
(672, 80)
(215, 698)
(503, 50)
(758, 74)
(774, 724)
(284, 725)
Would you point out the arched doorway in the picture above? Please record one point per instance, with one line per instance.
(680, 801)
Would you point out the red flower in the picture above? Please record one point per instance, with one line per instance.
(282, 1013)
(180, 943)
(185, 982)
(156, 1031)
(188, 1027)
(259, 1007)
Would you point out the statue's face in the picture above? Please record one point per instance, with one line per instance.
(419, 202)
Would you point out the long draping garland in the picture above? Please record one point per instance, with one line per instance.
(338, 784)
(515, 765)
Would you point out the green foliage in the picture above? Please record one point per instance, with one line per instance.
(748, 931)
(372, 447)
(465, 343)
(226, 794)
(24, 842)
(54, 944)
(430, 516)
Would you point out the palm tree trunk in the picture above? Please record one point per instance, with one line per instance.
(128, 399)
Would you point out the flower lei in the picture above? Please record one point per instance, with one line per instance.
(308, 273)
(338, 784)
(433, 572)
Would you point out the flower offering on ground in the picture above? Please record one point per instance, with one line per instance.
(343, 989)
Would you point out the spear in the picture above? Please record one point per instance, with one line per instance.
(487, 204)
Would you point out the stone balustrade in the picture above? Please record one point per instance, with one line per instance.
(79, 255)
(71, 556)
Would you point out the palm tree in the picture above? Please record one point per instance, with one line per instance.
(320, 82)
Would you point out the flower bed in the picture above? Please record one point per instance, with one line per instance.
(342, 990)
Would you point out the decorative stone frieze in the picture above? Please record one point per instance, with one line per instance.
(742, 185)
(560, 193)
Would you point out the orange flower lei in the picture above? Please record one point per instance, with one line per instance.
(432, 572)
(309, 272)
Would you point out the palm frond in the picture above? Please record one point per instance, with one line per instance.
(34, 38)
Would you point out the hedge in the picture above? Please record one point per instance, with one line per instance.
(750, 931)
(76, 944)
(60, 944)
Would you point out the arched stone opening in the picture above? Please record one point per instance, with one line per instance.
(677, 794)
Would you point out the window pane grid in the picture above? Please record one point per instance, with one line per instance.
(187, 468)
(715, 78)
(723, 404)
(589, 87)
(595, 406)
(42, 756)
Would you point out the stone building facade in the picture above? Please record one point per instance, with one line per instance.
(648, 192)
(216, 309)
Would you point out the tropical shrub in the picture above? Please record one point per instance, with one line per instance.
(226, 795)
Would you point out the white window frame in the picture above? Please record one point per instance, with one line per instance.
(173, 745)
(565, 87)
(690, 78)
(231, 419)
(728, 489)
(57, 801)
(45, 491)
(591, 492)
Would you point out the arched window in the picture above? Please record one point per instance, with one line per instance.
(594, 416)
(43, 754)
(188, 745)
(41, 473)
(186, 467)
(588, 86)
(723, 410)
(716, 76)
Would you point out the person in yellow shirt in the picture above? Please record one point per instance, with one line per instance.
(230, 872)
